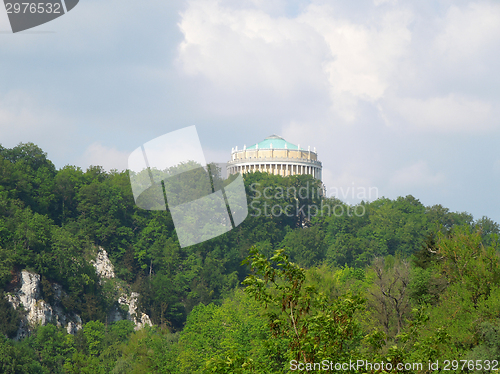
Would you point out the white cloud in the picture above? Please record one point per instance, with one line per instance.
(216, 155)
(108, 157)
(246, 48)
(241, 51)
(469, 32)
(411, 70)
(417, 175)
(364, 57)
(350, 186)
(451, 113)
(24, 117)
(380, 2)
(16, 113)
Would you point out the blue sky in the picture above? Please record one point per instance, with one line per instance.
(398, 95)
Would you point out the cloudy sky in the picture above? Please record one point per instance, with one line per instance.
(396, 95)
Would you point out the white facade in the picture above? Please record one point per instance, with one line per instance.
(276, 156)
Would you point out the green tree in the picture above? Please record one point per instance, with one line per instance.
(94, 336)
(305, 322)
(306, 246)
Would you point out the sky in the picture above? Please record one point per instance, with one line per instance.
(399, 97)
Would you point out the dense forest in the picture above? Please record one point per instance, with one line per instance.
(360, 288)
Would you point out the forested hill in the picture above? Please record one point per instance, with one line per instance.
(389, 269)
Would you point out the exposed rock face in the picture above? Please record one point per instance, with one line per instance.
(131, 313)
(103, 267)
(105, 270)
(36, 310)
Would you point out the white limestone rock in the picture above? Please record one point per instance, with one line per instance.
(73, 327)
(35, 310)
(105, 270)
(103, 266)
(140, 320)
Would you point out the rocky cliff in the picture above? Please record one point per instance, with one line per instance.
(37, 311)
(27, 297)
(127, 301)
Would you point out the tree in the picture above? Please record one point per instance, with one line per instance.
(306, 246)
(390, 293)
(94, 335)
(466, 261)
(217, 336)
(310, 325)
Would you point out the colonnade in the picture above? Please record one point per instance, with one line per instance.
(277, 169)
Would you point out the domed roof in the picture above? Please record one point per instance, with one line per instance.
(274, 142)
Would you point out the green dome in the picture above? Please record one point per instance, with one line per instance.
(276, 141)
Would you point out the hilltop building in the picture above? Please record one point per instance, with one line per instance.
(276, 156)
